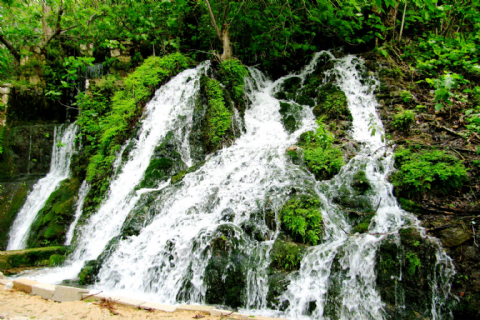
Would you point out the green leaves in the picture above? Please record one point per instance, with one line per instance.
(302, 218)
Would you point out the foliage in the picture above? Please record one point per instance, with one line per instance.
(303, 219)
(322, 158)
(418, 172)
(232, 74)
(414, 262)
(218, 116)
(406, 96)
(404, 119)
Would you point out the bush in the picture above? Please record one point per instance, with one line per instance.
(404, 119)
(423, 171)
(301, 217)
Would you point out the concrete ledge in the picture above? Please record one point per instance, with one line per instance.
(129, 302)
(198, 308)
(46, 291)
(63, 293)
(24, 284)
(158, 306)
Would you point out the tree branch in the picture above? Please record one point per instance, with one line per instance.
(11, 48)
(212, 17)
(58, 28)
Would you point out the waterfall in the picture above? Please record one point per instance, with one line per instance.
(82, 194)
(63, 148)
(220, 203)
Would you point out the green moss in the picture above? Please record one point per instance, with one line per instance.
(404, 119)
(287, 255)
(157, 170)
(360, 182)
(218, 116)
(409, 205)
(89, 273)
(232, 74)
(53, 221)
(302, 219)
(419, 172)
(332, 103)
(414, 262)
(56, 259)
(178, 177)
(291, 117)
(30, 257)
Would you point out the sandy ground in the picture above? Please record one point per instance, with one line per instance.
(18, 305)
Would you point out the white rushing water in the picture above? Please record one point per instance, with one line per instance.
(82, 194)
(63, 148)
(172, 104)
(167, 260)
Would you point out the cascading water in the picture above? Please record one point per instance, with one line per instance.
(82, 194)
(218, 205)
(63, 149)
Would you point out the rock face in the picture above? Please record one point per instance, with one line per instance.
(453, 237)
(27, 152)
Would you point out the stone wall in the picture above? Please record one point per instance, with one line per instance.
(4, 97)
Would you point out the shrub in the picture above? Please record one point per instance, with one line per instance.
(422, 171)
(404, 119)
(301, 217)
(406, 96)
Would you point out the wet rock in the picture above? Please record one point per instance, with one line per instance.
(292, 148)
(454, 236)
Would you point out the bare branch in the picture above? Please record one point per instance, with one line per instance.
(212, 17)
(10, 47)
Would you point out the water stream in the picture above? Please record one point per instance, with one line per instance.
(63, 148)
(168, 259)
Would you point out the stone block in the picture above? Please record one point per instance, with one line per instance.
(115, 52)
(44, 290)
(2, 276)
(4, 281)
(158, 306)
(4, 90)
(129, 302)
(24, 284)
(124, 59)
(5, 99)
(34, 80)
(195, 308)
(63, 293)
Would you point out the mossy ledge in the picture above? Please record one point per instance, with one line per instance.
(10, 260)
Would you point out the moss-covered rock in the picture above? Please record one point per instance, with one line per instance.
(360, 182)
(287, 256)
(89, 273)
(405, 270)
(31, 257)
(332, 104)
(225, 274)
(53, 221)
(291, 117)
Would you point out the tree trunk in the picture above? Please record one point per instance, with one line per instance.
(227, 46)
(47, 31)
